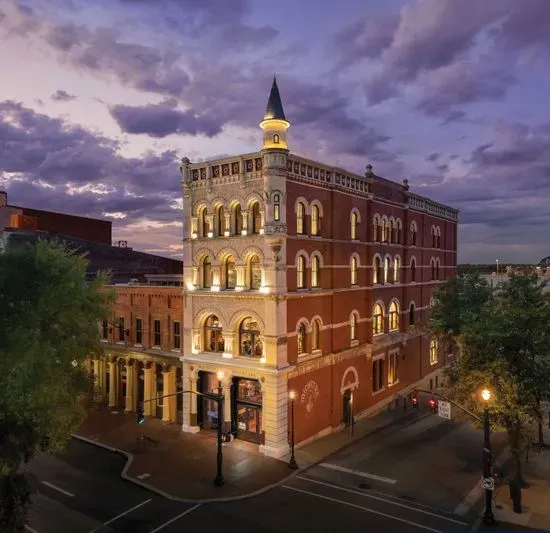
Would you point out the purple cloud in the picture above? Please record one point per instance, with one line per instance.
(62, 96)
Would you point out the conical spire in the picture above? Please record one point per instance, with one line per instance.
(274, 109)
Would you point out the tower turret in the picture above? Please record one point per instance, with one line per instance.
(274, 123)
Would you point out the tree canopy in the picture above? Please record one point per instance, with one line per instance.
(49, 318)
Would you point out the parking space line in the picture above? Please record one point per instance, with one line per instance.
(359, 473)
(128, 511)
(379, 498)
(368, 509)
(52, 486)
(181, 515)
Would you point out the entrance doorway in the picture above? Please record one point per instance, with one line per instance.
(246, 410)
(207, 409)
(347, 408)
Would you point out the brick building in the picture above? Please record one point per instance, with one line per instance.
(300, 276)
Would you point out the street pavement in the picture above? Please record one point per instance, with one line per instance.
(407, 478)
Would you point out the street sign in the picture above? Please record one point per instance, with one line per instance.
(488, 483)
(444, 409)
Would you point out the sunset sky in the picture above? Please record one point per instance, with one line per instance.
(99, 99)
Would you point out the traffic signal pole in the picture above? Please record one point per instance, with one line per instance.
(445, 399)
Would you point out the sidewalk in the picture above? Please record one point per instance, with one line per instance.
(182, 466)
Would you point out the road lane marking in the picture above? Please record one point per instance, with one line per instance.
(54, 487)
(371, 496)
(30, 529)
(125, 512)
(368, 509)
(359, 473)
(181, 515)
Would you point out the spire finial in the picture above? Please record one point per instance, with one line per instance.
(274, 109)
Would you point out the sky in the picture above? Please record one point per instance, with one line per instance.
(99, 100)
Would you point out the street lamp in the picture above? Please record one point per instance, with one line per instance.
(351, 414)
(292, 463)
(488, 517)
(218, 481)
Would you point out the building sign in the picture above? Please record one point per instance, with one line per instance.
(309, 395)
(444, 409)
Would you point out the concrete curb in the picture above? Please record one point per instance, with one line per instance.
(130, 459)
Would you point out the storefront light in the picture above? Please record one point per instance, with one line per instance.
(264, 290)
(210, 234)
(263, 360)
(215, 288)
(227, 355)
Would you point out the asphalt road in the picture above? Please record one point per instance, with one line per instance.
(401, 479)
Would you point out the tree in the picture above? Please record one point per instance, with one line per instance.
(49, 318)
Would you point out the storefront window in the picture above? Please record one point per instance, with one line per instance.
(213, 337)
(250, 343)
(255, 273)
(249, 390)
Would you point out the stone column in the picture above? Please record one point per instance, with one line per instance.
(262, 222)
(131, 393)
(226, 388)
(227, 224)
(241, 278)
(169, 387)
(245, 222)
(229, 344)
(190, 400)
(275, 415)
(173, 400)
(149, 392)
(196, 277)
(96, 376)
(210, 221)
(113, 384)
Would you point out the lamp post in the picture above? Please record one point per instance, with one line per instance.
(218, 481)
(351, 414)
(488, 517)
(292, 463)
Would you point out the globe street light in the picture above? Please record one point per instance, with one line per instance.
(488, 517)
(218, 481)
(292, 463)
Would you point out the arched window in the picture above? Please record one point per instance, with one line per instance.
(413, 269)
(315, 335)
(391, 231)
(377, 270)
(438, 237)
(396, 269)
(378, 320)
(353, 276)
(206, 273)
(411, 314)
(250, 344)
(213, 335)
(277, 208)
(301, 272)
(220, 215)
(256, 218)
(255, 273)
(302, 339)
(433, 269)
(432, 233)
(230, 273)
(386, 270)
(383, 231)
(315, 220)
(413, 233)
(354, 225)
(394, 316)
(315, 271)
(205, 226)
(375, 223)
(238, 219)
(300, 218)
(437, 269)
(433, 351)
(399, 230)
(276, 139)
(353, 327)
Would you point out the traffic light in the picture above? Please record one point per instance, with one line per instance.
(140, 418)
(433, 404)
(414, 400)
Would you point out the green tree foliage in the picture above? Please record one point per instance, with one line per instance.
(505, 342)
(49, 319)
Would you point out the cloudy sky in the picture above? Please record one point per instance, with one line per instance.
(99, 99)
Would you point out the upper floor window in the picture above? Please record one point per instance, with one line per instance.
(387, 270)
(437, 269)
(156, 332)
(213, 335)
(120, 329)
(377, 270)
(277, 208)
(378, 320)
(315, 335)
(433, 269)
(315, 220)
(396, 269)
(413, 269)
(221, 220)
(393, 367)
(432, 233)
(394, 316)
(411, 314)
(384, 230)
(354, 223)
(238, 219)
(176, 335)
(276, 139)
(301, 272)
(256, 218)
(433, 351)
(399, 231)
(302, 339)
(353, 276)
(249, 339)
(353, 327)
(205, 222)
(377, 375)
(413, 233)
(206, 273)
(255, 273)
(230, 273)
(392, 232)
(375, 224)
(315, 271)
(139, 330)
(438, 237)
(300, 218)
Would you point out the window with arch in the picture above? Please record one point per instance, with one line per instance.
(437, 269)
(413, 269)
(256, 218)
(220, 215)
(204, 223)
(276, 139)
(438, 237)
(302, 339)
(433, 269)
(377, 270)
(206, 273)
(383, 230)
(315, 220)
(316, 335)
(300, 218)
(255, 272)
(353, 327)
(301, 272)
(411, 314)
(413, 233)
(391, 231)
(277, 207)
(399, 239)
(432, 233)
(396, 269)
(354, 224)
(213, 335)
(238, 219)
(387, 270)
(394, 316)
(250, 344)
(378, 320)
(229, 273)
(375, 224)
(315, 271)
(433, 351)
(353, 273)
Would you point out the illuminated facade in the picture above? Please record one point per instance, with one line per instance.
(302, 276)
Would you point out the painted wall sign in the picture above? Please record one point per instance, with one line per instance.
(309, 395)
(350, 379)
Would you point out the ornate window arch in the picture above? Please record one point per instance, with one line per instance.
(301, 337)
(229, 272)
(377, 269)
(277, 207)
(316, 264)
(438, 237)
(250, 342)
(316, 326)
(255, 217)
(413, 233)
(393, 315)
(213, 335)
(206, 272)
(220, 219)
(412, 309)
(387, 268)
(301, 208)
(301, 266)
(355, 219)
(316, 214)
(254, 271)
(399, 225)
(437, 272)
(434, 348)
(433, 269)
(376, 228)
(354, 269)
(237, 216)
(412, 267)
(396, 269)
(384, 228)
(391, 230)
(354, 325)
(378, 318)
